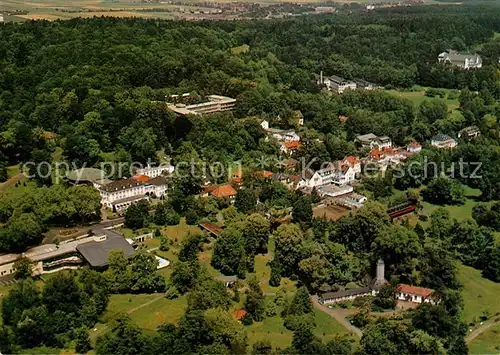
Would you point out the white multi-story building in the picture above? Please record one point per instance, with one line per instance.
(119, 195)
(461, 60)
(331, 174)
(155, 171)
(336, 83)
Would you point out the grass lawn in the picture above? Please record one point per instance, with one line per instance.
(179, 232)
(479, 294)
(263, 273)
(147, 316)
(124, 303)
(487, 342)
(272, 328)
(459, 212)
(418, 96)
(161, 311)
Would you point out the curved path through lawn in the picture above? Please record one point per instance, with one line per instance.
(339, 314)
(478, 331)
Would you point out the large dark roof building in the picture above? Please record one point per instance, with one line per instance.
(96, 252)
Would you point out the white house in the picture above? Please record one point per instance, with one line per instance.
(413, 147)
(283, 135)
(354, 163)
(443, 141)
(154, 171)
(331, 174)
(414, 294)
(461, 60)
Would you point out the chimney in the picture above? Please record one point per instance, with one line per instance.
(380, 270)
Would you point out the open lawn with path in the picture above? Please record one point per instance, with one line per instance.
(488, 342)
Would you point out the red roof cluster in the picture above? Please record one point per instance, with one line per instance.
(414, 290)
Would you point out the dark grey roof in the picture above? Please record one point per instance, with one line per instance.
(122, 184)
(128, 199)
(338, 80)
(159, 180)
(96, 253)
(350, 292)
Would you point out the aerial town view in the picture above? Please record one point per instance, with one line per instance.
(230, 177)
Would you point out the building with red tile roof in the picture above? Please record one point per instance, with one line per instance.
(414, 294)
(224, 191)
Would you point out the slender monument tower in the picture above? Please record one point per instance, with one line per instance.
(379, 279)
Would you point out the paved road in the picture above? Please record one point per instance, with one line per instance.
(478, 331)
(339, 314)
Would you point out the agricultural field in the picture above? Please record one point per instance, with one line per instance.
(191, 9)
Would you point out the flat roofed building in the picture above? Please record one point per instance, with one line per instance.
(215, 103)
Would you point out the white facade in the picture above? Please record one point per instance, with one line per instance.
(126, 192)
(155, 171)
(381, 143)
(283, 135)
(402, 296)
(328, 175)
(264, 124)
(414, 147)
(461, 60)
(444, 143)
(339, 85)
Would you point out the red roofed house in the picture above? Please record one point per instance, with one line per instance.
(224, 191)
(414, 147)
(289, 147)
(414, 294)
(354, 163)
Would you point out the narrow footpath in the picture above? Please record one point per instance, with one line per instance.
(339, 314)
